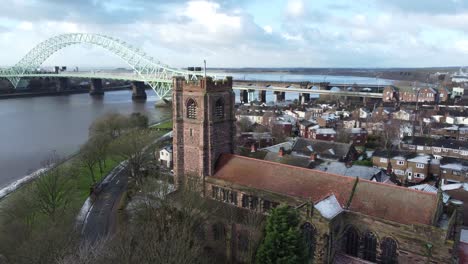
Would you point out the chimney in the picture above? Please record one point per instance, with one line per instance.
(313, 156)
(281, 152)
(389, 168)
(253, 148)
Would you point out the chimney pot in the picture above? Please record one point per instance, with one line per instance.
(281, 152)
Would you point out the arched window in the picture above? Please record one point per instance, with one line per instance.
(351, 242)
(218, 231)
(219, 108)
(309, 232)
(370, 247)
(191, 109)
(389, 251)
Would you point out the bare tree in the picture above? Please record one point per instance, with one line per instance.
(53, 192)
(131, 147)
(89, 157)
(111, 124)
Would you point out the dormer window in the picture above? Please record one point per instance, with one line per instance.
(191, 109)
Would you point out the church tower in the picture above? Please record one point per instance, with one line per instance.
(203, 114)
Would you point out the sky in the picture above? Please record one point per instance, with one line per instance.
(246, 33)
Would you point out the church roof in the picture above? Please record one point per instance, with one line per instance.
(388, 202)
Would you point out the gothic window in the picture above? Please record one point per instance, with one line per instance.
(215, 192)
(351, 241)
(219, 108)
(245, 201)
(389, 251)
(309, 232)
(266, 205)
(370, 246)
(242, 241)
(253, 203)
(191, 109)
(200, 232)
(218, 231)
(233, 197)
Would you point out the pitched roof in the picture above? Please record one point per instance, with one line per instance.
(326, 149)
(389, 202)
(436, 142)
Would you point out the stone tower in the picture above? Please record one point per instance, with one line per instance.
(203, 114)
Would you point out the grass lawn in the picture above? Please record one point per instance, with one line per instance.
(163, 126)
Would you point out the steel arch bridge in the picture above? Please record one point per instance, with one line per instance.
(157, 75)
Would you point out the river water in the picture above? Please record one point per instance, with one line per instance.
(32, 128)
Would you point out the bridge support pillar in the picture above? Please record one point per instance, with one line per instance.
(262, 96)
(96, 87)
(244, 96)
(63, 84)
(324, 86)
(139, 92)
(304, 98)
(280, 96)
(252, 96)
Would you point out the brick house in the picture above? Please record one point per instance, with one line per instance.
(407, 166)
(437, 147)
(328, 120)
(358, 135)
(451, 132)
(444, 94)
(453, 171)
(328, 134)
(304, 127)
(390, 94)
(342, 217)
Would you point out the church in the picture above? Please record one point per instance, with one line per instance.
(344, 219)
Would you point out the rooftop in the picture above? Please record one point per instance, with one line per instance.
(370, 198)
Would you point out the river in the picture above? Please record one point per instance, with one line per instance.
(32, 128)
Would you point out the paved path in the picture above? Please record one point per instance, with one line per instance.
(101, 218)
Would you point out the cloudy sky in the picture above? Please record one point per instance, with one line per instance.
(247, 33)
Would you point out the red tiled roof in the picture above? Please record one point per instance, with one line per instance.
(385, 201)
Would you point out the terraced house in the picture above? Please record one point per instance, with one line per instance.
(345, 219)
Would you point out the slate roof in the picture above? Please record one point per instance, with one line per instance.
(384, 201)
(325, 149)
(436, 142)
(340, 168)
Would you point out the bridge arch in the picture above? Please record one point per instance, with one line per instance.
(156, 74)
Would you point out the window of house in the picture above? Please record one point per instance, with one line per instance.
(457, 173)
(428, 148)
(233, 197)
(411, 146)
(419, 175)
(455, 151)
(384, 160)
(437, 149)
(445, 150)
(370, 247)
(309, 233)
(388, 247)
(399, 172)
(191, 109)
(401, 162)
(219, 108)
(351, 241)
(420, 165)
(464, 152)
(420, 148)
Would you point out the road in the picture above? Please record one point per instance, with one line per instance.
(101, 219)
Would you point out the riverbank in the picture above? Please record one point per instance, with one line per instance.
(54, 93)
